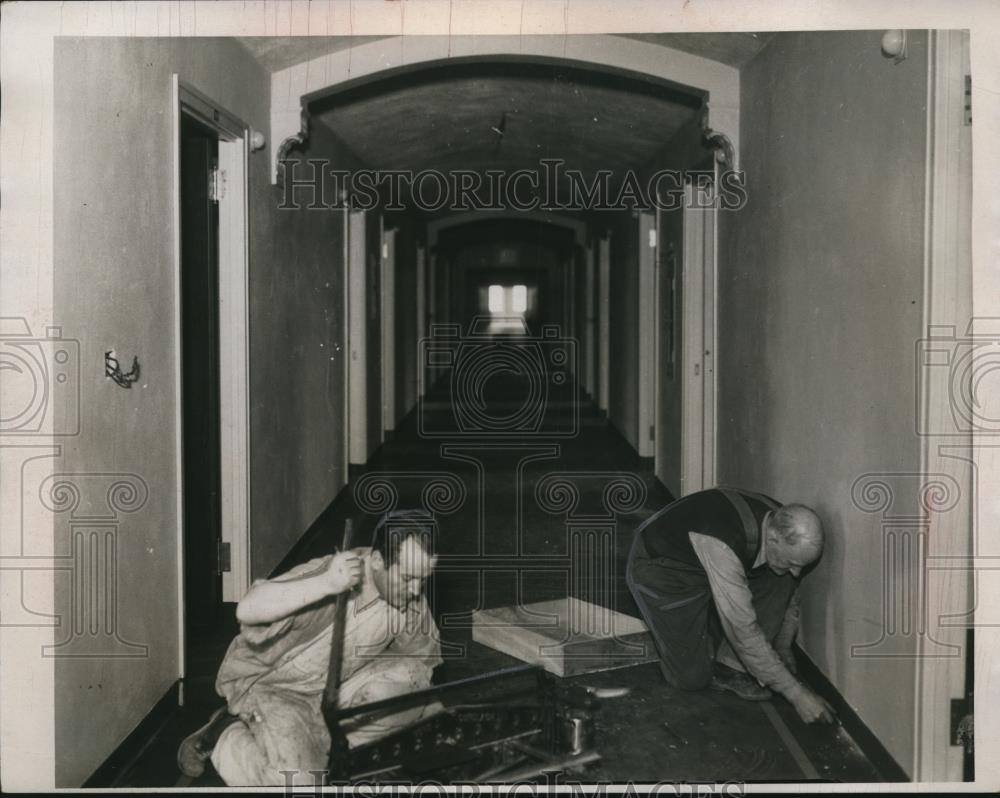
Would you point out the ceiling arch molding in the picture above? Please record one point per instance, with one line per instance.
(370, 58)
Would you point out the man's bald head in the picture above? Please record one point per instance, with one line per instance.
(796, 538)
(798, 525)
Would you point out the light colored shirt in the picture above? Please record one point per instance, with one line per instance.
(293, 654)
(734, 601)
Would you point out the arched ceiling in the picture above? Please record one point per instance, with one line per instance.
(508, 115)
(501, 115)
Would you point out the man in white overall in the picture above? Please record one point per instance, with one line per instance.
(275, 670)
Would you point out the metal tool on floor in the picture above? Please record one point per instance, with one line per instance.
(506, 726)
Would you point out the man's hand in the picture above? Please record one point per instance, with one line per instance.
(343, 573)
(787, 659)
(811, 707)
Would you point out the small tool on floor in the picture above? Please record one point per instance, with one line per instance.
(609, 692)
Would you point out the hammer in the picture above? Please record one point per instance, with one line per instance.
(337, 762)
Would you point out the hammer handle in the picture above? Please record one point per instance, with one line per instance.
(331, 691)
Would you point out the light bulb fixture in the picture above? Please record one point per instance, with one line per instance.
(257, 140)
(894, 45)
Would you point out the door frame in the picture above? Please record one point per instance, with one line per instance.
(947, 306)
(345, 266)
(234, 339)
(388, 337)
(357, 337)
(648, 330)
(699, 337)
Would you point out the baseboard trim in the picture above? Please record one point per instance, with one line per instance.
(129, 749)
(884, 762)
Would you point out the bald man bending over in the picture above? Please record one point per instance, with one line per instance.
(716, 576)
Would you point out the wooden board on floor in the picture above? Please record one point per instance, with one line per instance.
(566, 636)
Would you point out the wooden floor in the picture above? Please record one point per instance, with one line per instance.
(509, 513)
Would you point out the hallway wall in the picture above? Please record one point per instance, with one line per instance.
(114, 287)
(297, 357)
(820, 292)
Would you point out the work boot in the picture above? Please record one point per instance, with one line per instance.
(196, 748)
(726, 679)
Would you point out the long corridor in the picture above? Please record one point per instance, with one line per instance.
(507, 510)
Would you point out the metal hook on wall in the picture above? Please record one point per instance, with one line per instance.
(297, 141)
(113, 370)
(719, 143)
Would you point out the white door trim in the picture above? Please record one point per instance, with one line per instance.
(947, 305)
(698, 339)
(357, 339)
(710, 338)
(388, 283)
(647, 333)
(657, 353)
(234, 366)
(175, 114)
(345, 266)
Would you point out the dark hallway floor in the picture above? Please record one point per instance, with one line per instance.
(710, 738)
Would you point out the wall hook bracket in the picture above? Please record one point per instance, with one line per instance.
(113, 370)
(719, 143)
(298, 141)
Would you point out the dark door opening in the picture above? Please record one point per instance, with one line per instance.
(199, 217)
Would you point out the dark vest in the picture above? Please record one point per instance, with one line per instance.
(728, 514)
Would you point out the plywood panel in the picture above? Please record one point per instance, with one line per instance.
(566, 636)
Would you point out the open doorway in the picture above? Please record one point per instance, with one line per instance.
(211, 319)
(204, 553)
